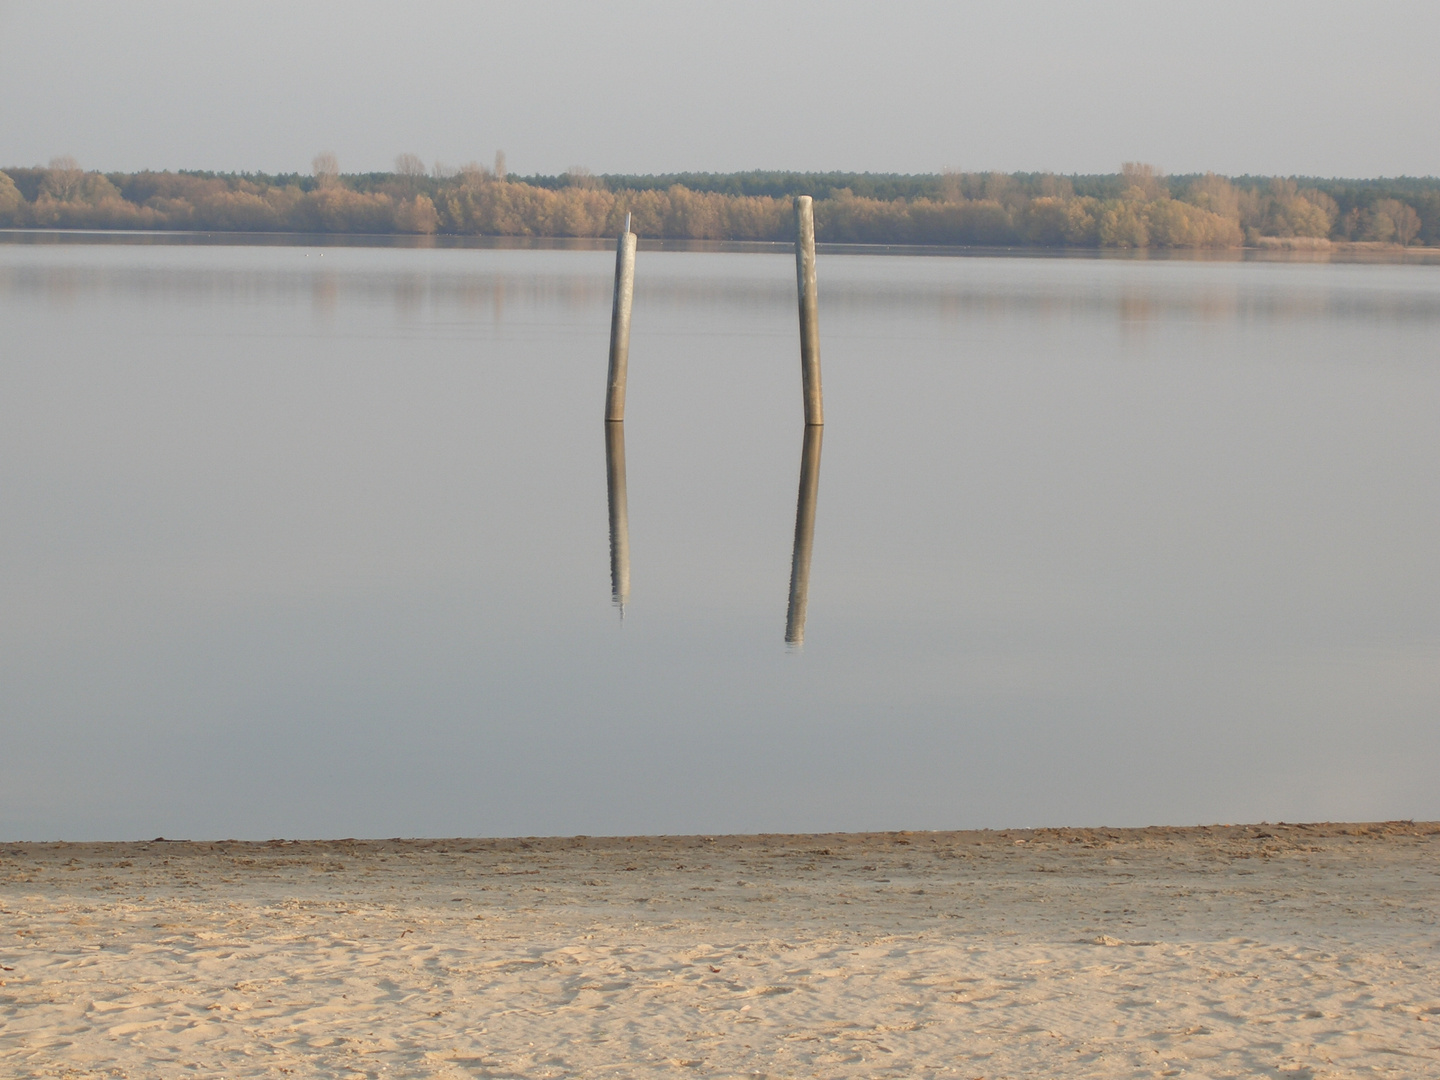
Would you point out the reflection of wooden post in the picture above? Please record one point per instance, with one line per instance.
(619, 515)
(620, 323)
(804, 534)
(809, 309)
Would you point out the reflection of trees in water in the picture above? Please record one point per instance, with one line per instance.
(1057, 297)
(405, 291)
(324, 294)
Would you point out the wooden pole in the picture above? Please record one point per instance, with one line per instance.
(804, 534)
(619, 514)
(809, 309)
(620, 323)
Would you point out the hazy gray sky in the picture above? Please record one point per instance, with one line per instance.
(1314, 87)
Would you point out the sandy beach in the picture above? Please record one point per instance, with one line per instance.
(1228, 951)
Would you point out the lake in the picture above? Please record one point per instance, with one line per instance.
(305, 541)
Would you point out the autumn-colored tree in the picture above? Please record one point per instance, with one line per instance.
(1145, 179)
(1328, 206)
(977, 222)
(1391, 220)
(1121, 223)
(64, 179)
(1407, 224)
(1172, 223)
(848, 218)
(1056, 187)
(578, 176)
(1134, 209)
(1284, 211)
(1379, 225)
(1216, 194)
(1082, 225)
(417, 216)
(339, 209)
(10, 200)
(757, 217)
(472, 175)
(71, 198)
(951, 187)
(1045, 225)
(410, 173)
(326, 167)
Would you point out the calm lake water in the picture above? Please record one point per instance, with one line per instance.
(315, 541)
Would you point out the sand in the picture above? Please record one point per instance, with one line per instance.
(1280, 951)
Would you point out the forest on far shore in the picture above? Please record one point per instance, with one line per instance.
(1138, 207)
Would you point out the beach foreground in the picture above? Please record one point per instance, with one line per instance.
(1225, 951)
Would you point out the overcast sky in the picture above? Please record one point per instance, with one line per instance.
(1314, 87)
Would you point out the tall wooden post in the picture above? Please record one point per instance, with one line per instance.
(620, 323)
(809, 309)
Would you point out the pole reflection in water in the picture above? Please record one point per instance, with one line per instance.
(804, 534)
(619, 514)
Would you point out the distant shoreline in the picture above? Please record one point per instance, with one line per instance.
(1138, 208)
(850, 841)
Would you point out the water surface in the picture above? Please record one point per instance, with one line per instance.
(316, 541)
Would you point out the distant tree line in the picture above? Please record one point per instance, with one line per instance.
(1135, 208)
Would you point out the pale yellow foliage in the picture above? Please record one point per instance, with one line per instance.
(10, 200)
(417, 216)
(409, 165)
(962, 209)
(1055, 221)
(1392, 221)
(326, 167)
(1121, 224)
(1176, 224)
(1147, 179)
(63, 180)
(1216, 194)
